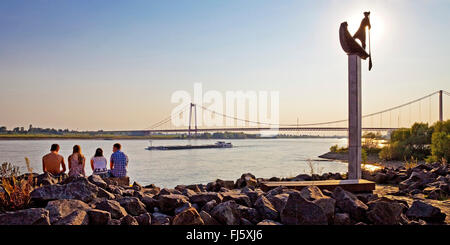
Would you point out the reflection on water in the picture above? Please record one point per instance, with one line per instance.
(262, 157)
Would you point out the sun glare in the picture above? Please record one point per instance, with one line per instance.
(376, 21)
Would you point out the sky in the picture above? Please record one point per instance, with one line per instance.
(114, 65)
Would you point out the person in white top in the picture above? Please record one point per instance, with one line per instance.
(98, 163)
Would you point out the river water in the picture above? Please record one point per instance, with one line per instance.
(264, 158)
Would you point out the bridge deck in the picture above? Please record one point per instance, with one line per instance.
(360, 185)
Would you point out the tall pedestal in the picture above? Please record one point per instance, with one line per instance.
(354, 117)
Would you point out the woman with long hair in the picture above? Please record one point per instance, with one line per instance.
(98, 163)
(76, 162)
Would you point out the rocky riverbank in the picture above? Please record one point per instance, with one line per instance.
(97, 201)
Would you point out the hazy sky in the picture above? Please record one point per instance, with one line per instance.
(115, 64)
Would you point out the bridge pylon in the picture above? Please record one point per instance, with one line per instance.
(190, 119)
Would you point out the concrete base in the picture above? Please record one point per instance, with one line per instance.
(354, 117)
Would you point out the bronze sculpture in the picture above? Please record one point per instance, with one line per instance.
(349, 44)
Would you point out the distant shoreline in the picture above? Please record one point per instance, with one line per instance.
(66, 137)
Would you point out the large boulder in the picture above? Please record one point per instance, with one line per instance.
(385, 212)
(128, 220)
(239, 198)
(59, 209)
(425, 211)
(209, 206)
(113, 207)
(169, 202)
(98, 181)
(46, 179)
(266, 209)
(189, 216)
(31, 216)
(299, 211)
(253, 194)
(144, 219)
(204, 197)
(98, 217)
(132, 205)
(314, 194)
(208, 219)
(249, 214)
(80, 189)
(278, 201)
(77, 217)
(349, 203)
(227, 213)
(342, 219)
(247, 179)
(160, 219)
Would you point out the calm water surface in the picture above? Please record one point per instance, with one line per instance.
(262, 157)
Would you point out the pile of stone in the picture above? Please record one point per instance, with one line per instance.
(97, 201)
(431, 180)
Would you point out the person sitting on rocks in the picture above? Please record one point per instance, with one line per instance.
(53, 162)
(76, 162)
(98, 164)
(118, 162)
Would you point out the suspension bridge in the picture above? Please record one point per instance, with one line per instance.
(381, 121)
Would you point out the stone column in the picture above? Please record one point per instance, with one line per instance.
(354, 117)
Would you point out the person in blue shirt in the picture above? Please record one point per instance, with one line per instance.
(118, 162)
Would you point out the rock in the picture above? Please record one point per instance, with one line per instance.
(80, 189)
(366, 197)
(77, 217)
(128, 220)
(209, 206)
(46, 179)
(169, 202)
(244, 221)
(153, 191)
(314, 194)
(195, 188)
(381, 178)
(98, 181)
(417, 180)
(31, 216)
(132, 205)
(167, 191)
(188, 192)
(59, 209)
(302, 177)
(424, 211)
(208, 219)
(384, 211)
(203, 198)
(247, 179)
(136, 186)
(149, 202)
(115, 189)
(299, 211)
(360, 223)
(226, 213)
(268, 222)
(114, 222)
(249, 214)
(342, 219)
(160, 219)
(182, 208)
(252, 194)
(189, 216)
(266, 209)
(99, 217)
(218, 184)
(144, 219)
(349, 203)
(104, 193)
(278, 201)
(239, 198)
(440, 170)
(112, 207)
